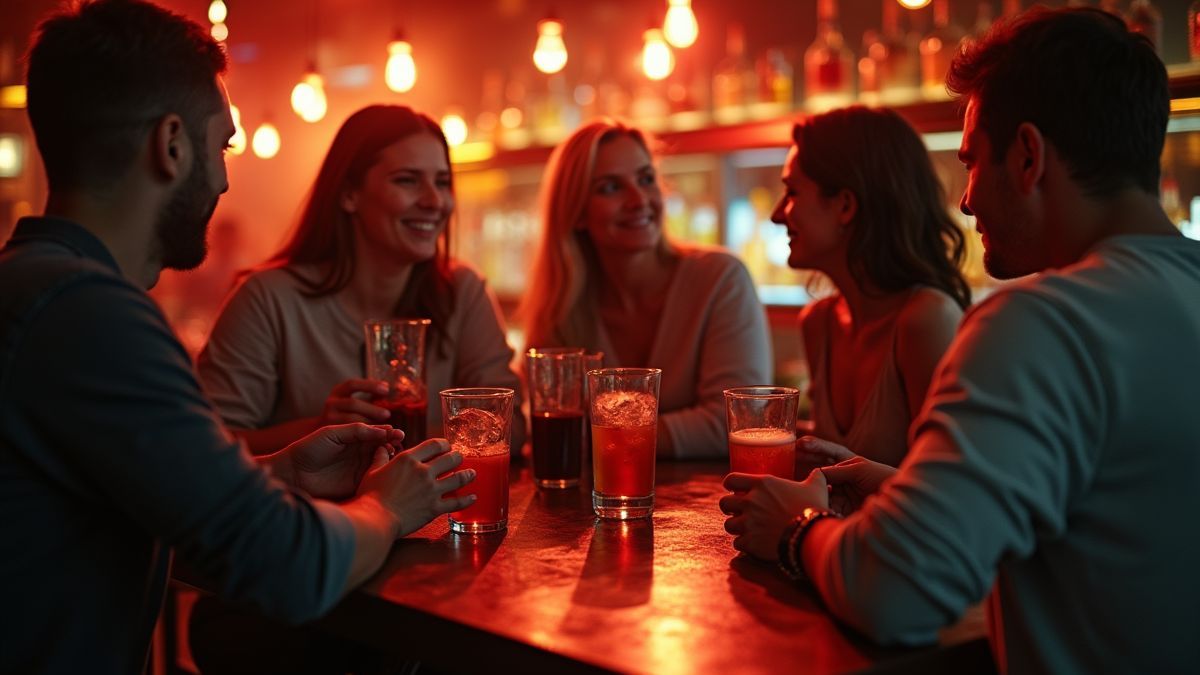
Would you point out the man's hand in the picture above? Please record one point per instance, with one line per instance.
(815, 451)
(762, 506)
(852, 481)
(411, 486)
(330, 462)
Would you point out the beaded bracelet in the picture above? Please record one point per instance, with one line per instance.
(792, 539)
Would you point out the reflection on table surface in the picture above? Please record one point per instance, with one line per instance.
(563, 590)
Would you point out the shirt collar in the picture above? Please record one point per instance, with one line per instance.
(68, 233)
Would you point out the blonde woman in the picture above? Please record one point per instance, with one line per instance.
(606, 278)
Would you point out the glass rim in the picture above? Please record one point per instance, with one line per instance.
(627, 371)
(553, 352)
(762, 391)
(477, 392)
(397, 321)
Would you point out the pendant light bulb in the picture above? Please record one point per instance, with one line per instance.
(308, 97)
(680, 27)
(217, 12)
(266, 141)
(913, 4)
(657, 59)
(455, 128)
(401, 72)
(219, 32)
(550, 54)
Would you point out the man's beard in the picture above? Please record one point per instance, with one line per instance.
(182, 225)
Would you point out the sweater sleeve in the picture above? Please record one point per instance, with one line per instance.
(482, 354)
(735, 351)
(142, 437)
(1001, 449)
(238, 367)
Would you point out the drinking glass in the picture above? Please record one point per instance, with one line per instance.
(396, 355)
(624, 411)
(556, 404)
(762, 430)
(478, 421)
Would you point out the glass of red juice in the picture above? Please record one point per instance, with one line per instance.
(478, 423)
(555, 377)
(624, 420)
(396, 355)
(762, 430)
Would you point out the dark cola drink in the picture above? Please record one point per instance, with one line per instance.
(557, 445)
(408, 416)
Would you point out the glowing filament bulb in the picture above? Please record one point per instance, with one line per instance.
(401, 72)
(308, 98)
(455, 128)
(913, 4)
(237, 142)
(657, 59)
(217, 12)
(219, 32)
(680, 27)
(550, 54)
(266, 141)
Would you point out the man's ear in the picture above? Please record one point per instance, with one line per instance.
(1027, 157)
(170, 148)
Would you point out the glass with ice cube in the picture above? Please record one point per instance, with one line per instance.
(396, 355)
(624, 419)
(478, 422)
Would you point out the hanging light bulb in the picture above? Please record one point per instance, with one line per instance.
(217, 12)
(913, 4)
(237, 142)
(219, 32)
(550, 54)
(401, 71)
(308, 97)
(455, 128)
(266, 141)
(657, 59)
(680, 26)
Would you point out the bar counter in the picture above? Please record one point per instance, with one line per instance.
(562, 591)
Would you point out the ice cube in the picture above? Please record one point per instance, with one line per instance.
(475, 428)
(624, 409)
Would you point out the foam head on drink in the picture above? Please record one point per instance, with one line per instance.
(763, 451)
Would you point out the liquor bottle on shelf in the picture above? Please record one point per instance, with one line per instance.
(828, 64)
(775, 85)
(1193, 31)
(937, 51)
(514, 118)
(649, 107)
(687, 98)
(897, 68)
(733, 80)
(554, 112)
(1145, 18)
(487, 122)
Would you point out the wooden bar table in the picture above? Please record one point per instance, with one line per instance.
(562, 591)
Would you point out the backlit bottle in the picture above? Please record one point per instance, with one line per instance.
(828, 63)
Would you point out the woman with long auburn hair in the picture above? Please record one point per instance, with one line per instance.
(606, 278)
(287, 353)
(863, 205)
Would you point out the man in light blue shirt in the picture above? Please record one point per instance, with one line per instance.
(1054, 466)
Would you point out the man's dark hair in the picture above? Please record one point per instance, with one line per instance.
(1095, 90)
(99, 77)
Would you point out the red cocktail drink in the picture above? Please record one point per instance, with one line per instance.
(763, 451)
(489, 513)
(623, 460)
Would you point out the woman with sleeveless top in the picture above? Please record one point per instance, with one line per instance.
(863, 206)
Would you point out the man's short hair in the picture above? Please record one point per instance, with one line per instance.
(1096, 91)
(99, 77)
